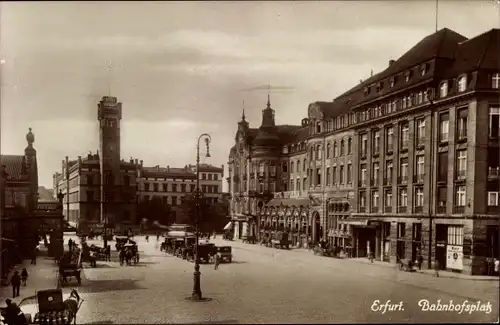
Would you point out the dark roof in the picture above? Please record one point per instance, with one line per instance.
(480, 52)
(442, 44)
(14, 166)
(287, 133)
(301, 134)
(168, 172)
(209, 168)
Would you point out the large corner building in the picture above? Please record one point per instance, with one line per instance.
(407, 161)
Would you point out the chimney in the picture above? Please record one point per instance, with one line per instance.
(62, 166)
(222, 166)
(360, 81)
(137, 162)
(79, 160)
(391, 62)
(141, 162)
(131, 160)
(168, 167)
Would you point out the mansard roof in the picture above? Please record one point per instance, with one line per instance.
(443, 45)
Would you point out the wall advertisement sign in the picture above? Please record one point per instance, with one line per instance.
(454, 257)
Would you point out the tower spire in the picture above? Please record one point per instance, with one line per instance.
(268, 96)
(437, 17)
(243, 113)
(110, 71)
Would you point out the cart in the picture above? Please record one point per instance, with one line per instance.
(50, 307)
(69, 268)
(129, 254)
(225, 253)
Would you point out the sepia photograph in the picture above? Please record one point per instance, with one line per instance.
(249, 162)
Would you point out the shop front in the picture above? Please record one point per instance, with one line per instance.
(364, 233)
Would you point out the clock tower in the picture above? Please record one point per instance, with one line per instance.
(109, 116)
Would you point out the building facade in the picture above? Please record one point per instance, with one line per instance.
(405, 164)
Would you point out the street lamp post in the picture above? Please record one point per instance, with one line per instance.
(196, 295)
(60, 197)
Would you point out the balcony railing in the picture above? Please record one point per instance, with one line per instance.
(374, 209)
(459, 209)
(389, 148)
(419, 178)
(388, 209)
(362, 209)
(419, 209)
(402, 179)
(388, 181)
(441, 209)
(462, 134)
(376, 151)
(404, 144)
(493, 172)
(402, 209)
(374, 182)
(261, 174)
(461, 174)
(420, 142)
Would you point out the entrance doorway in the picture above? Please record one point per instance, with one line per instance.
(316, 227)
(365, 241)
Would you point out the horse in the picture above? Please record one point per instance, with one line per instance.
(71, 305)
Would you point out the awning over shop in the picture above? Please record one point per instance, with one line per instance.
(364, 222)
(228, 226)
(276, 202)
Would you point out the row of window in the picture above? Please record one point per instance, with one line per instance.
(176, 200)
(423, 69)
(164, 187)
(337, 150)
(209, 176)
(403, 172)
(460, 197)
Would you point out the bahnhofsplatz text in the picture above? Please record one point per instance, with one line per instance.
(450, 306)
(434, 306)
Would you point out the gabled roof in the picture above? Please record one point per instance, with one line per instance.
(15, 166)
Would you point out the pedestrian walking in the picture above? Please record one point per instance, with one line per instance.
(436, 268)
(497, 266)
(158, 237)
(371, 256)
(420, 260)
(24, 276)
(70, 244)
(147, 238)
(15, 281)
(217, 260)
(34, 254)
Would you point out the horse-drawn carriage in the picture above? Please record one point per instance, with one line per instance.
(50, 307)
(70, 266)
(280, 240)
(120, 241)
(129, 254)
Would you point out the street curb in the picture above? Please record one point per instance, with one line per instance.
(390, 266)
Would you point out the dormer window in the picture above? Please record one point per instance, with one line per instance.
(366, 91)
(318, 127)
(380, 86)
(407, 76)
(495, 81)
(462, 83)
(443, 89)
(423, 69)
(392, 82)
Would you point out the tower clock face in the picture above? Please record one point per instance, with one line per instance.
(111, 147)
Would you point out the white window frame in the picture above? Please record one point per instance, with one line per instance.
(419, 195)
(389, 170)
(420, 97)
(363, 175)
(403, 197)
(405, 132)
(462, 160)
(420, 165)
(390, 137)
(442, 126)
(460, 196)
(495, 81)
(493, 198)
(376, 170)
(443, 90)
(388, 198)
(421, 128)
(362, 200)
(375, 198)
(462, 83)
(494, 111)
(404, 169)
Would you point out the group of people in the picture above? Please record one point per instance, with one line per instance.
(13, 314)
(16, 280)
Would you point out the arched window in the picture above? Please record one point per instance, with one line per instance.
(311, 153)
(318, 127)
(349, 146)
(342, 147)
(335, 152)
(328, 147)
(443, 90)
(462, 83)
(291, 167)
(298, 166)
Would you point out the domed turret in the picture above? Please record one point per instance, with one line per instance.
(30, 137)
(267, 135)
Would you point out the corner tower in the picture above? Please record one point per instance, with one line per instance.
(109, 116)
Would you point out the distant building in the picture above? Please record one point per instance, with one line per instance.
(19, 197)
(406, 163)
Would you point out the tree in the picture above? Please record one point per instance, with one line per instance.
(212, 215)
(155, 210)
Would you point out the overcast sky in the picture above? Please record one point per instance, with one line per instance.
(180, 68)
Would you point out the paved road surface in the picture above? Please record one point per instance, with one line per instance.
(265, 285)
